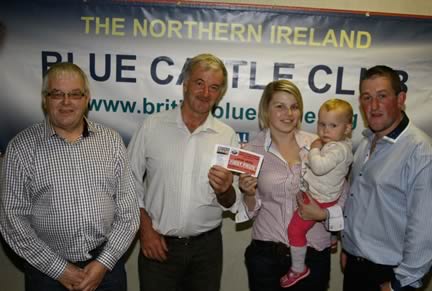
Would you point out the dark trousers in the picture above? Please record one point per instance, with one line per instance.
(267, 262)
(114, 280)
(363, 275)
(193, 264)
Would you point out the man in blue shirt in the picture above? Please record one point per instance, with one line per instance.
(388, 235)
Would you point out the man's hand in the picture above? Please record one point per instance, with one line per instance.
(152, 243)
(386, 286)
(72, 277)
(94, 274)
(220, 179)
(343, 260)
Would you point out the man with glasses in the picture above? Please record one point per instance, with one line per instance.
(182, 197)
(68, 203)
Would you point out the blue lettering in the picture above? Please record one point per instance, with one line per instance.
(57, 59)
(311, 78)
(339, 79)
(309, 117)
(106, 75)
(250, 114)
(120, 68)
(276, 71)
(153, 70)
(235, 75)
(253, 85)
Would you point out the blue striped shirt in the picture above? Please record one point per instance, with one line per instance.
(387, 213)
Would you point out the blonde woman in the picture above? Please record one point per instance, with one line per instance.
(272, 198)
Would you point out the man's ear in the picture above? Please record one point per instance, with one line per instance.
(401, 100)
(44, 106)
(185, 82)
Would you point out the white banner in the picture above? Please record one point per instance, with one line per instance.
(134, 54)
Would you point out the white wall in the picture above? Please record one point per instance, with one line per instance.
(236, 238)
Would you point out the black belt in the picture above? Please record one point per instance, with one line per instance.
(186, 239)
(277, 248)
(358, 259)
(366, 261)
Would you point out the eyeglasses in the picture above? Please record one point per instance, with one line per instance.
(60, 95)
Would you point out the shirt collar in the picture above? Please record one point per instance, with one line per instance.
(268, 140)
(89, 127)
(300, 139)
(208, 125)
(394, 135)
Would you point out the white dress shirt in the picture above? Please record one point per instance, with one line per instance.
(176, 192)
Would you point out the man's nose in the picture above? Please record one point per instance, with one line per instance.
(374, 103)
(66, 99)
(206, 90)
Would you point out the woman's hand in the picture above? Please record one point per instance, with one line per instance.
(308, 209)
(248, 184)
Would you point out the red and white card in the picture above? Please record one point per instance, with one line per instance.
(237, 160)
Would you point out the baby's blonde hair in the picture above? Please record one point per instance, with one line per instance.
(339, 104)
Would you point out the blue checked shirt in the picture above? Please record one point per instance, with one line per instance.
(60, 200)
(387, 213)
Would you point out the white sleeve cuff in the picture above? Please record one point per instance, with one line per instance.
(335, 220)
(243, 214)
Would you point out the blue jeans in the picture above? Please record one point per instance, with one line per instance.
(193, 264)
(267, 262)
(35, 280)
